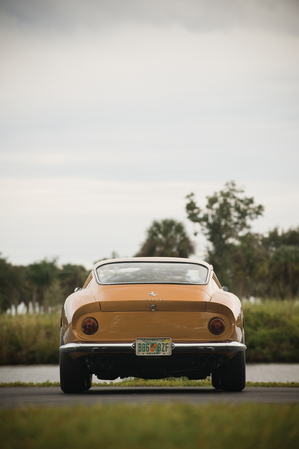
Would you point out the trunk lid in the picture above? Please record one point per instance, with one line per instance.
(153, 297)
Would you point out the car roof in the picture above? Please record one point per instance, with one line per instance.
(153, 259)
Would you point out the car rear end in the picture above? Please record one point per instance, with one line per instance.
(154, 330)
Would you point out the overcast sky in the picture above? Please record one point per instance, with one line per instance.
(113, 111)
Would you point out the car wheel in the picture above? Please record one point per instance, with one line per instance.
(88, 380)
(232, 373)
(216, 379)
(72, 373)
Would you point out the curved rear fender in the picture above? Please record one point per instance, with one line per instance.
(229, 305)
(72, 305)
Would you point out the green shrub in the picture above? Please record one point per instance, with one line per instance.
(29, 339)
(272, 332)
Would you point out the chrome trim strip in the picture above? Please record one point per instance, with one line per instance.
(96, 275)
(232, 346)
(176, 347)
(97, 347)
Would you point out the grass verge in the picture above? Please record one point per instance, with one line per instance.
(151, 383)
(151, 426)
(272, 332)
(29, 339)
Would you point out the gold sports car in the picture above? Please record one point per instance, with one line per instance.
(152, 318)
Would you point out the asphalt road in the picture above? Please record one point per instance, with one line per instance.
(53, 396)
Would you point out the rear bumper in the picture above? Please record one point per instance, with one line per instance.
(129, 348)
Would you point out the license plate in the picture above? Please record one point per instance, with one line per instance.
(153, 346)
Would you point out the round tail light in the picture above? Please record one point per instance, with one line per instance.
(217, 326)
(89, 326)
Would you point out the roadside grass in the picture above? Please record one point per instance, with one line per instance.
(29, 339)
(271, 327)
(272, 331)
(163, 383)
(151, 426)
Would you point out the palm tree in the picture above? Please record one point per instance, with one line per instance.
(166, 238)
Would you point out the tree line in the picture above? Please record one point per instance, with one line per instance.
(43, 283)
(248, 263)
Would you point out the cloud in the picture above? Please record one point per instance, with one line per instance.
(113, 111)
(198, 16)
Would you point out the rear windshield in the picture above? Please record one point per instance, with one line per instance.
(152, 273)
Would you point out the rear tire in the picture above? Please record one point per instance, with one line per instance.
(74, 378)
(88, 380)
(216, 379)
(233, 373)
